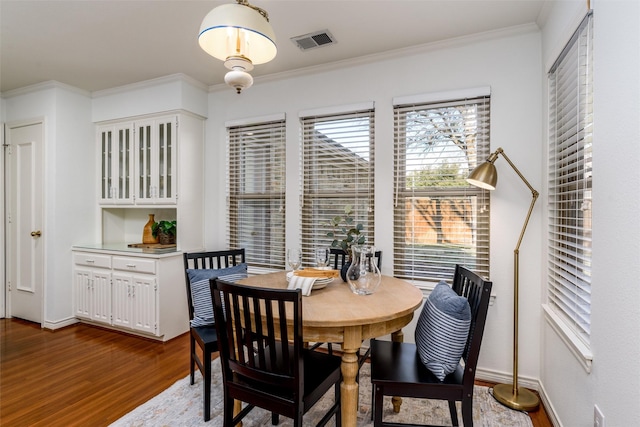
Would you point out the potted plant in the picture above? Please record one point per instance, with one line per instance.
(352, 232)
(165, 231)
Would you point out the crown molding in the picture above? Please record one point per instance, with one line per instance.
(172, 78)
(39, 87)
(392, 54)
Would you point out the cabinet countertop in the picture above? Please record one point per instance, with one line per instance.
(124, 249)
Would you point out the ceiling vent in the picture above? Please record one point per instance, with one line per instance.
(314, 40)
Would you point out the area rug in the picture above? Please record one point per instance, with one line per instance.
(181, 406)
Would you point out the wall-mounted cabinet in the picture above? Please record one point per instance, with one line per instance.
(152, 164)
(138, 161)
(156, 156)
(116, 148)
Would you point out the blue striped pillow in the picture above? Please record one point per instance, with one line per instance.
(442, 330)
(201, 292)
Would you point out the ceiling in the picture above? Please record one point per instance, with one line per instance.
(100, 44)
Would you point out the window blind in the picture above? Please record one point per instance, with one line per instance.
(256, 192)
(337, 169)
(570, 181)
(439, 219)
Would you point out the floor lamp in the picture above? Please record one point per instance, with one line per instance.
(485, 176)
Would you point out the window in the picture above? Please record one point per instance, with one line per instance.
(257, 192)
(337, 171)
(570, 182)
(439, 219)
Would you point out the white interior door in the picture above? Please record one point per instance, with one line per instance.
(25, 251)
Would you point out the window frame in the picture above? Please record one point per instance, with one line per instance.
(408, 262)
(257, 147)
(570, 184)
(320, 193)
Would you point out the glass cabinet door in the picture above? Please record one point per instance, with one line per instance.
(165, 159)
(116, 165)
(144, 162)
(156, 145)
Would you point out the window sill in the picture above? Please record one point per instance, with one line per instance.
(575, 345)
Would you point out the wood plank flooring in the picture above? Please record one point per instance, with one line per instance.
(87, 376)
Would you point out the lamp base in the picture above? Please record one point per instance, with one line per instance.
(523, 400)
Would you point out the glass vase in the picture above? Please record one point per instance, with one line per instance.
(363, 275)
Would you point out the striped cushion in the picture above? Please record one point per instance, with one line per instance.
(442, 330)
(201, 292)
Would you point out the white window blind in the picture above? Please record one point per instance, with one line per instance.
(570, 181)
(337, 170)
(439, 219)
(256, 192)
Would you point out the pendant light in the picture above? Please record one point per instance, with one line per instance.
(240, 35)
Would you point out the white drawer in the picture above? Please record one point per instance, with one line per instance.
(138, 265)
(92, 260)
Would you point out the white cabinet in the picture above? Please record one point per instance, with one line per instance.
(116, 147)
(135, 296)
(159, 171)
(156, 154)
(138, 160)
(135, 302)
(140, 294)
(92, 277)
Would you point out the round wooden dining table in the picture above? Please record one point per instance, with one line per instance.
(335, 314)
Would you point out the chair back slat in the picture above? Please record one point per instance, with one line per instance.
(477, 291)
(340, 256)
(263, 347)
(209, 260)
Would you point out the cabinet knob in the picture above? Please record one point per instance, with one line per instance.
(37, 233)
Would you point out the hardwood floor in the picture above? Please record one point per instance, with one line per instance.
(87, 376)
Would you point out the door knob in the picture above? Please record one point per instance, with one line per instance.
(36, 233)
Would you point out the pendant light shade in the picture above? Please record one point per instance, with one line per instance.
(241, 36)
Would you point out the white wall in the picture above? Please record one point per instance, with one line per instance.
(71, 205)
(3, 297)
(175, 92)
(614, 383)
(508, 62)
(69, 195)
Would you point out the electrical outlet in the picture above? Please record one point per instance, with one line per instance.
(598, 417)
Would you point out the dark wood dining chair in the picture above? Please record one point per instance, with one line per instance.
(340, 257)
(397, 369)
(205, 336)
(263, 360)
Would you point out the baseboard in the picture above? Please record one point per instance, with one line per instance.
(548, 407)
(47, 324)
(530, 383)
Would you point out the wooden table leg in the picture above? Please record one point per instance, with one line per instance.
(396, 401)
(349, 388)
(237, 407)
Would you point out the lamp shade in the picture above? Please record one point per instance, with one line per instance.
(484, 176)
(236, 30)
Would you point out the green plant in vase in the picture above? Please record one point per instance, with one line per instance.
(165, 231)
(351, 231)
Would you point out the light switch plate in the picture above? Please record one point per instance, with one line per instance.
(598, 417)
